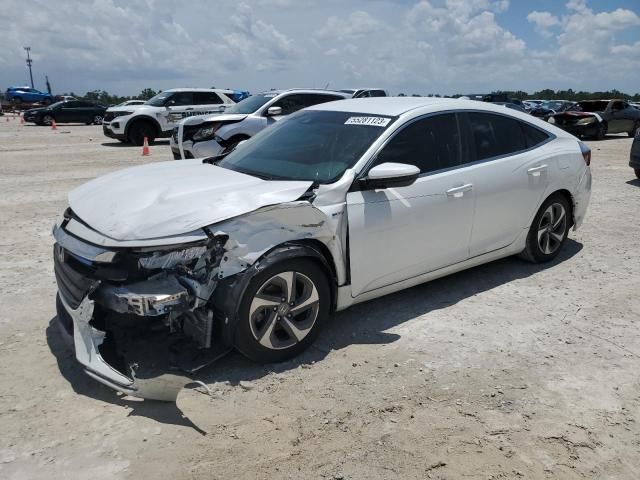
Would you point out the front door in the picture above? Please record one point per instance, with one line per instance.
(399, 233)
(621, 119)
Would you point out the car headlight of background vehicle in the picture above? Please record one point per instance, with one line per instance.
(551, 120)
(586, 121)
(120, 114)
(206, 133)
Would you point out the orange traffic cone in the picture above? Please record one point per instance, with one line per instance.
(145, 147)
(53, 125)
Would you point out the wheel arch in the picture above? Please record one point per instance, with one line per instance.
(570, 200)
(230, 290)
(142, 119)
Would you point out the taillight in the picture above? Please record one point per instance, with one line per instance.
(586, 153)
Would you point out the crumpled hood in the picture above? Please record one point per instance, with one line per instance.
(223, 117)
(172, 198)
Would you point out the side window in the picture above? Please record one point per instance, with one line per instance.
(430, 144)
(290, 103)
(377, 93)
(206, 98)
(72, 104)
(179, 99)
(533, 136)
(315, 99)
(495, 135)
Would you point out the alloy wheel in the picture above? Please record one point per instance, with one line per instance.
(284, 310)
(47, 119)
(552, 228)
(97, 120)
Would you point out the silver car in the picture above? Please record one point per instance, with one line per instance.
(206, 136)
(169, 265)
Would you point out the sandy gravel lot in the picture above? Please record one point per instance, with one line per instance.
(509, 370)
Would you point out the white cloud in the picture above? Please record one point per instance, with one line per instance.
(424, 46)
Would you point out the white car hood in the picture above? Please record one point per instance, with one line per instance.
(131, 108)
(172, 198)
(223, 117)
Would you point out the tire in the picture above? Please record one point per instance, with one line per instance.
(17, 100)
(47, 101)
(602, 131)
(267, 335)
(637, 172)
(549, 230)
(47, 119)
(635, 131)
(139, 130)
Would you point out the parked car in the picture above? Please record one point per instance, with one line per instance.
(205, 136)
(365, 92)
(74, 111)
(27, 95)
(339, 203)
(634, 156)
(157, 117)
(596, 118)
(551, 107)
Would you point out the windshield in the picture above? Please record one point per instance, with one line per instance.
(159, 100)
(592, 106)
(311, 145)
(251, 104)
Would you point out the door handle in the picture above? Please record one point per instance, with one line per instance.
(536, 171)
(458, 192)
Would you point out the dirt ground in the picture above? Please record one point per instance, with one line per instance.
(509, 370)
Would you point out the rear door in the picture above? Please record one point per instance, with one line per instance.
(621, 117)
(206, 103)
(510, 176)
(68, 112)
(400, 233)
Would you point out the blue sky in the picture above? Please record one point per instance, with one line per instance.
(410, 46)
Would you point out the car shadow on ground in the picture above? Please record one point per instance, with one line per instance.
(635, 182)
(365, 324)
(117, 144)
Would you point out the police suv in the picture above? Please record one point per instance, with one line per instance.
(157, 117)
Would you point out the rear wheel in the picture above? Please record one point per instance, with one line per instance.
(637, 170)
(635, 131)
(17, 100)
(139, 130)
(47, 120)
(602, 131)
(282, 310)
(549, 230)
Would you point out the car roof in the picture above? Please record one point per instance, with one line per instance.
(395, 106)
(304, 90)
(186, 89)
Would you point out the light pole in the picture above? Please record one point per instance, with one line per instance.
(29, 61)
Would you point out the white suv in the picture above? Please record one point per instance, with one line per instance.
(207, 136)
(157, 117)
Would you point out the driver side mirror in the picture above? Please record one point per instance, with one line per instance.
(274, 111)
(390, 175)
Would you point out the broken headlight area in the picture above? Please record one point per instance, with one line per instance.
(149, 310)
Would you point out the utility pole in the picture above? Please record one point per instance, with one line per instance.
(29, 61)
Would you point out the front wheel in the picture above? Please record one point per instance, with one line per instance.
(47, 120)
(282, 311)
(548, 231)
(601, 132)
(97, 119)
(139, 131)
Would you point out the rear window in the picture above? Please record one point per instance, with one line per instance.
(495, 135)
(533, 136)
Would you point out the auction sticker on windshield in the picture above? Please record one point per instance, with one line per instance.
(371, 121)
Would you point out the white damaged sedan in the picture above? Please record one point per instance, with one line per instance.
(165, 267)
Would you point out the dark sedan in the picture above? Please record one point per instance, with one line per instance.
(597, 118)
(72, 111)
(634, 160)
